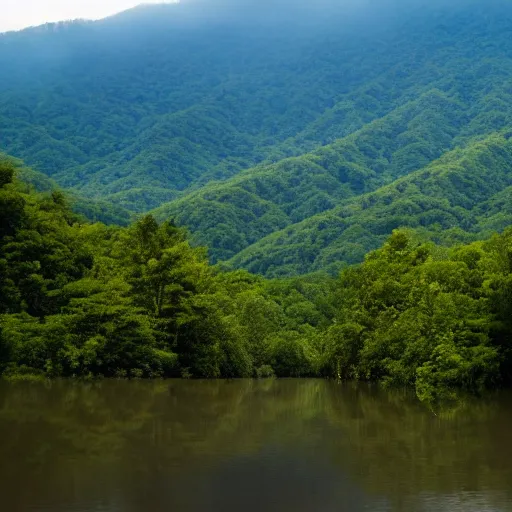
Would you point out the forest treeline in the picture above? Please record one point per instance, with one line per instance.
(86, 300)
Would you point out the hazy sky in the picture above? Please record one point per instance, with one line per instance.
(17, 14)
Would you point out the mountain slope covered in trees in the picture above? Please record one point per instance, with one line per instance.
(460, 197)
(90, 208)
(230, 215)
(286, 137)
(164, 100)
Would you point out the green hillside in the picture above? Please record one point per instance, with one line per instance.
(150, 114)
(229, 216)
(95, 210)
(284, 140)
(462, 196)
(449, 91)
(170, 102)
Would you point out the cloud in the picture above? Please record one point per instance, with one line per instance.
(22, 13)
(17, 14)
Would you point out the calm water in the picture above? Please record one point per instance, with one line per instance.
(248, 446)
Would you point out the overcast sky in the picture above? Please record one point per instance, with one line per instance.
(18, 14)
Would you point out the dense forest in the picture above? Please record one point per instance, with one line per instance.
(81, 299)
(257, 124)
(463, 196)
(258, 189)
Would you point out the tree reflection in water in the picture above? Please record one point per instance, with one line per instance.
(226, 445)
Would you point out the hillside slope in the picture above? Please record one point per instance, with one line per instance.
(95, 210)
(280, 134)
(141, 106)
(462, 196)
(230, 215)
(164, 100)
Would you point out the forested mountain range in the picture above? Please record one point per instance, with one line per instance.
(463, 196)
(287, 137)
(293, 140)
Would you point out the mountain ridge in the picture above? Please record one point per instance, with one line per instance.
(239, 130)
(336, 172)
(422, 200)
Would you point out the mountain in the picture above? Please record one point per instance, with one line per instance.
(460, 197)
(231, 215)
(139, 106)
(288, 137)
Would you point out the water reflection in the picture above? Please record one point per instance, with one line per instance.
(307, 445)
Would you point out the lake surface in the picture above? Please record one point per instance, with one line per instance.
(289, 445)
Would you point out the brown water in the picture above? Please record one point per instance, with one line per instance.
(248, 446)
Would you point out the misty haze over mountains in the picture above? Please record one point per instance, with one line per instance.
(260, 125)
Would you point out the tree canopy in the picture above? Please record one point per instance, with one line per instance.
(84, 300)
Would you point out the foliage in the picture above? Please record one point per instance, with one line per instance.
(292, 155)
(459, 198)
(412, 315)
(85, 300)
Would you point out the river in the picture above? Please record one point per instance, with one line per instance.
(247, 446)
